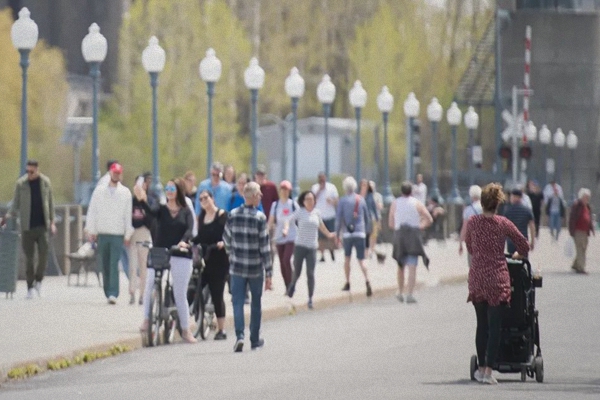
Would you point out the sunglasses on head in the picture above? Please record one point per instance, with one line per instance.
(170, 188)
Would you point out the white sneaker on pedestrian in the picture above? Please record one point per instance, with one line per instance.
(112, 300)
(29, 295)
(38, 288)
(478, 376)
(410, 299)
(489, 379)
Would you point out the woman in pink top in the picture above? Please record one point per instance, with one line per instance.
(489, 281)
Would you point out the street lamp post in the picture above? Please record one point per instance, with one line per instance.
(453, 116)
(559, 141)
(572, 146)
(545, 139)
(254, 78)
(294, 88)
(385, 103)
(471, 122)
(210, 72)
(326, 95)
(531, 135)
(24, 36)
(153, 60)
(94, 48)
(434, 115)
(411, 111)
(358, 99)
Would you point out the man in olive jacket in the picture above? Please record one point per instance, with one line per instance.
(34, 204)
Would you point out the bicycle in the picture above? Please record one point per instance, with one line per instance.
(162, 301)
(202, 308)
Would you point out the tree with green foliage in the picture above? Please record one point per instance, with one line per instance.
(47, 94)
(185, 29)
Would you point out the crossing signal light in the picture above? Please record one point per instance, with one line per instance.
(525, 152)
(505, 152)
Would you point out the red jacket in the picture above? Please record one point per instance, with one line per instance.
(576, 210)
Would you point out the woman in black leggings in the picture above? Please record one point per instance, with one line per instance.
(211, 223)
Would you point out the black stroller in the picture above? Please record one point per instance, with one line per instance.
(520, 338)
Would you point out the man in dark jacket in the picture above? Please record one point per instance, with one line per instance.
(580, 227)
(34, 204)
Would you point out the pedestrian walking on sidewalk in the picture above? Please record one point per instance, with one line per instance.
(246, 238)
(368, 194)
(211, 224)
(354, 218)
(308, 223)
(220, 189)
(281, 212)
(138, 255)
(269, 197)
(408, 218)
(419, 190)
(229, 176)
(175, 225)
(522, 217)
(489, 280)
(327, 200)
(103, 181)
(537, 199)
(237, 195)
(108, 221)
(555, 207)
(472, 209)
(581, 224)
(34, 204)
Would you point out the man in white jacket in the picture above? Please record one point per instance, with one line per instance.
(108, 222)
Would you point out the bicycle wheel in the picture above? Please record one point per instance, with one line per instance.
(155, 316)
(199, 314)
(170, 321)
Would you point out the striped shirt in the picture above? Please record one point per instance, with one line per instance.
(246, 239)
(307, 234)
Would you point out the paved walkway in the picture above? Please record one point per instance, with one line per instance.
(69, 319)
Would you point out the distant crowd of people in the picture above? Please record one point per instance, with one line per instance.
(242, 224)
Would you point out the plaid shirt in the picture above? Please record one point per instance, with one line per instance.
(246, 239)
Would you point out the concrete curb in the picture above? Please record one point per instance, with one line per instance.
(272, 313)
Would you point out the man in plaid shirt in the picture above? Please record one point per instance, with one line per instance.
(246, 239)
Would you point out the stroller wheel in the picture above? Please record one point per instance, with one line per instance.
(539, 369)
(523, 374)
(474, 367)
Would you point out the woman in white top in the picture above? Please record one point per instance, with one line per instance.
(309, 223)
(281, 211)
(408, 217)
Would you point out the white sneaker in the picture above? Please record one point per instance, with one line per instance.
(489, 379)
(112, 300)
(478, 376)
(38, 288)
(29, 294)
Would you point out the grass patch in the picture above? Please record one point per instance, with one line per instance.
(29, 370)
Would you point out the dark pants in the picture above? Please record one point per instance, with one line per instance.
(487, 337)
(216, 284)
(238, 295)
(285, 251)
(302, 253)
(29, 239)
(109, 251)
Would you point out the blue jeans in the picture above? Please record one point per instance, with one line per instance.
(555, 224)
(238, 295)
(125, 261)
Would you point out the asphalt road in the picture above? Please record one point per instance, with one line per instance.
(377, 349)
